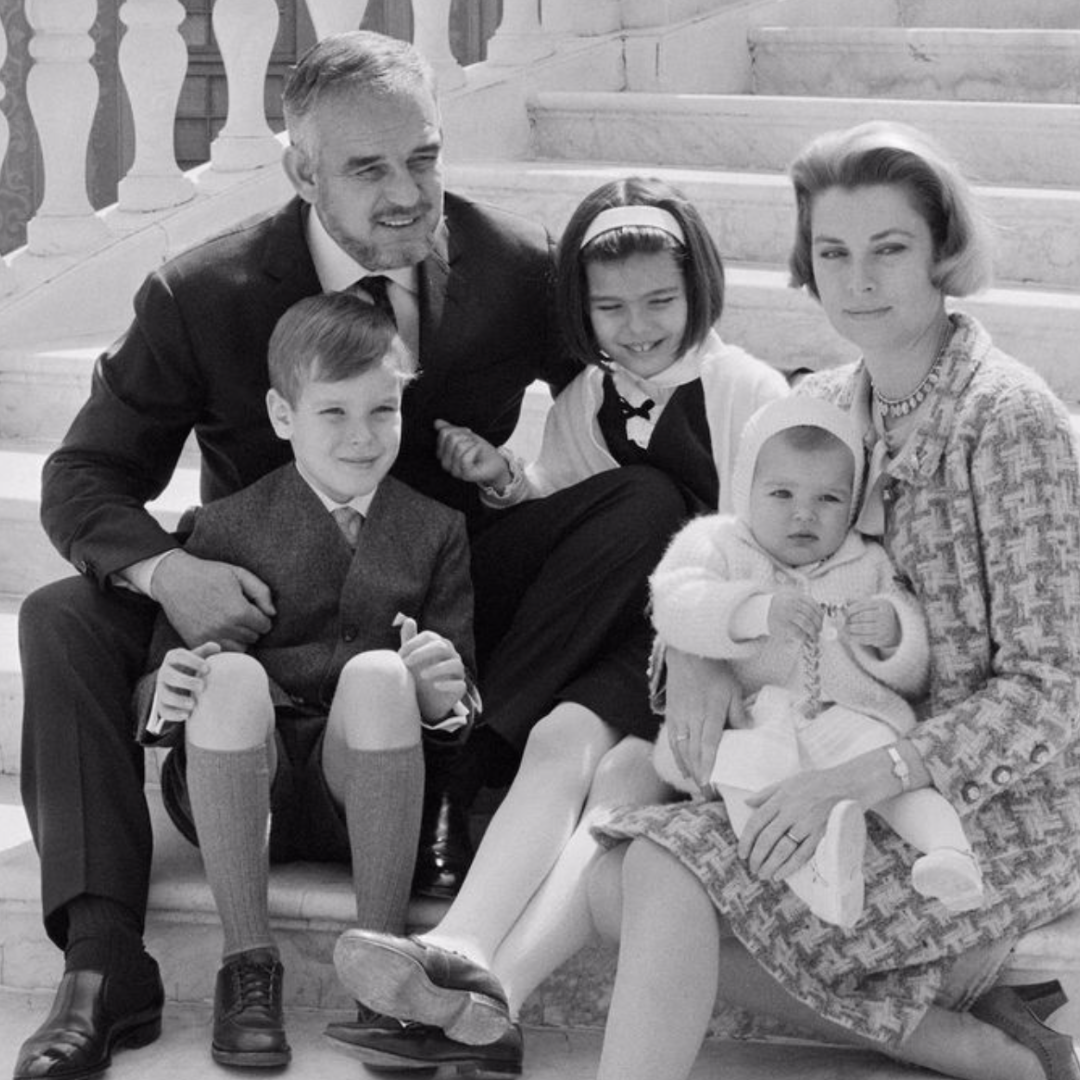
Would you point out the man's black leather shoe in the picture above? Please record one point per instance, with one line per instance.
(445, 850)
(249, 1027)
(78, 1037)
(405, 978)
(411, 1047)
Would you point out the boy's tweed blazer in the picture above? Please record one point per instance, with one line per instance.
(332, 603)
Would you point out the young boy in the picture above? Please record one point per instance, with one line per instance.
(824, 642)
(305, 744)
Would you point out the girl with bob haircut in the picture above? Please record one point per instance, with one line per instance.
(639, 286)
(972, 487)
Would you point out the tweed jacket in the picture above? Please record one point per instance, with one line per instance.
(714, 565)
(332, 603)
(194, 359)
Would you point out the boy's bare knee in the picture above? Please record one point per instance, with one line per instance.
(234, 710)
(375, 704)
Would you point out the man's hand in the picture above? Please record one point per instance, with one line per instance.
(212, 601)
(468, 456)
(436, 668)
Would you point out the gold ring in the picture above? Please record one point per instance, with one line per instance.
(681, 738)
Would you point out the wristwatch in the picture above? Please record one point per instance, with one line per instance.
(899, 768)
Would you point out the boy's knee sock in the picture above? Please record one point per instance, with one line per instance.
(230, 802)
(383, 803)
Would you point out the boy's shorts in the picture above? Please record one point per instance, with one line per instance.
(305, 821)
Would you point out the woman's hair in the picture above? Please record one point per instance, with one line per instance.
(896, 155)
(356, 61)
(331, 337)
(696, 256)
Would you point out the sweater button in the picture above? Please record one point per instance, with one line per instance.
(970, 792)
(1001, 775)
(1040, 754)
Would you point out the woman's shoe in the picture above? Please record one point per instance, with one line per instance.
(1005, 1008)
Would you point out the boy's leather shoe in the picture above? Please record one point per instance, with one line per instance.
(78, 1037)
(409, 1047)
(249, 1026)
(408, 979)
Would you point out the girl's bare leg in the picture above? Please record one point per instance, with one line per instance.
(557, 923)
(528, 833)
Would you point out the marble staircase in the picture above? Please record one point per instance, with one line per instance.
(997, 82)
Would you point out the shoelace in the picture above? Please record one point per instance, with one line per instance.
(256, 987)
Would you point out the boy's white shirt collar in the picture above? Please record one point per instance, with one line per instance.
(361, 503)
(337, 270)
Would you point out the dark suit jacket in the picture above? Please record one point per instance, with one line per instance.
(332, 603)
(195, 358)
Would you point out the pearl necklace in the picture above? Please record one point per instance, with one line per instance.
(892, 408)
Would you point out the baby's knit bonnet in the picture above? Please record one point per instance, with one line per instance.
(795, 410)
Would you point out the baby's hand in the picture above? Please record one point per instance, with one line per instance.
(436, 667)
(464, 454)
(874, 623)
(180, 680)
(792, 614)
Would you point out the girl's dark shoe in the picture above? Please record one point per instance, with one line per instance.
(249, 1025)
(1017, 1011)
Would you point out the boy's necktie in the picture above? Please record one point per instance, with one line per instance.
(374, 287)
(349, 521)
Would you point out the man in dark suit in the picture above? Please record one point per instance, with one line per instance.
(470, 291)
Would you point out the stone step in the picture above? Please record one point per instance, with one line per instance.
(950, 64)
(1017, 144)
(992, 14)
(27, 558)
(752, 215)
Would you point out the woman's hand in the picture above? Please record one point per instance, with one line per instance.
(788, 822)
(702, 697)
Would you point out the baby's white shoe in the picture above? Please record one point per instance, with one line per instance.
(832, 883)
(950, 876)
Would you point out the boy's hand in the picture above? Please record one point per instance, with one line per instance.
(212, 601)
(180, 680)
(792, 614)
(464, 454)
(873, 622)
(436, 668)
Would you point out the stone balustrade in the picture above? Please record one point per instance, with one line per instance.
(62, 95)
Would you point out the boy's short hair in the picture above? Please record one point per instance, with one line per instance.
(698, 258)
(331, 337)
(896, 155)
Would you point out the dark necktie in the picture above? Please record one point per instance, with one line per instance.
(375, 286)
(348, 521)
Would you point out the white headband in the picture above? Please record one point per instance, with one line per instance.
(617, 217)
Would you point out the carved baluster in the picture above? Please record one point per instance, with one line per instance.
(520, 37)
(431, 35)
(245, 32)
(153, 62)
(62, 92)
(7, 278)
(334, 16)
